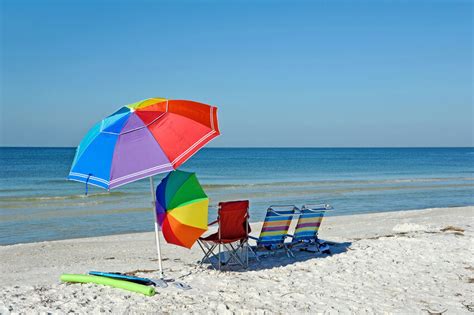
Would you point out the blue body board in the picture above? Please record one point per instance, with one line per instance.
(121, 276)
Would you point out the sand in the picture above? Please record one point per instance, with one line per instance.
(410, 262)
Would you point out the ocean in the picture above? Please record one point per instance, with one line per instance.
(37, 203)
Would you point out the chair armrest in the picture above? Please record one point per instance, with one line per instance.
(253, 237)
(283, 206)
(317, 207)
(213, 222)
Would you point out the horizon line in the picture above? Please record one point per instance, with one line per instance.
(270, 147)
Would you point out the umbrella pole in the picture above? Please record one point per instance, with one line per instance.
(157, 233)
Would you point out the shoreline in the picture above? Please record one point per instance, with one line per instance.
(332, 214)
(401, 261)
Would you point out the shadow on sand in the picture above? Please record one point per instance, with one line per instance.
(269, 260)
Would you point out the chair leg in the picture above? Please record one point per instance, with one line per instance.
(220, 256)
(247, 253)
(239, 253)
(208, 252)
(254, 252)
(289, 253)
(233, 252)
(205, 250)
(211, 253)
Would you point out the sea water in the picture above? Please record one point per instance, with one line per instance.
(37, 203)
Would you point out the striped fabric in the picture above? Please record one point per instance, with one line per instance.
(308, 225)
(275, 227)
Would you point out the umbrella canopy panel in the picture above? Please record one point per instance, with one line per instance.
(143, 139)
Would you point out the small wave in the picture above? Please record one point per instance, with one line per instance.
(69, 214)
(270, 194)
(331, 183)
(9, 190)
(57, 180)
(56, 205)
(66, 197)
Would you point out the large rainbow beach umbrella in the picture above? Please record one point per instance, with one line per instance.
(143, 139)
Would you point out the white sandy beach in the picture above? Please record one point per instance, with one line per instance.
(397, 262)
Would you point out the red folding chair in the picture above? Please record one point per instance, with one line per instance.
(232, 235)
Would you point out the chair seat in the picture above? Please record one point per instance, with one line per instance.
(215, 239)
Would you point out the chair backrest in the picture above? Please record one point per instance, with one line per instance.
(309, 222)
(233, 219)
(276, 224)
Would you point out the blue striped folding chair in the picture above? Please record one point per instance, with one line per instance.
(307, 228)
(275, 230)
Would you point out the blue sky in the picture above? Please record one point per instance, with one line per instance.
(283, 73)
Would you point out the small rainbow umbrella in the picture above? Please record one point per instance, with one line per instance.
(181, 208)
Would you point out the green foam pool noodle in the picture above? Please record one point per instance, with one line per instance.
(125, 285)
